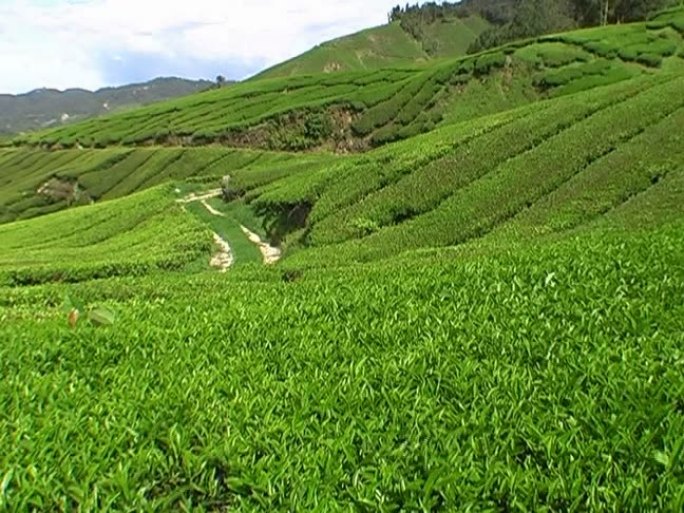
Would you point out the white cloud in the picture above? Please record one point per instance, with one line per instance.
(67, 43)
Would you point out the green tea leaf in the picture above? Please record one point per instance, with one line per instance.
(70, 304)
(662, 458)
(4, 485)
(550, 280)
(102, 316)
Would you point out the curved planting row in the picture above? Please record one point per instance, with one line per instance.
(354, 111)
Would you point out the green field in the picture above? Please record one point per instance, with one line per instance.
(135, 235)
(475, 311)
(113, 173)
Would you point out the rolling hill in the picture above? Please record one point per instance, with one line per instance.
(354, 111)
(47, 107)
(385, 46)
(348, 113)
(478, 305)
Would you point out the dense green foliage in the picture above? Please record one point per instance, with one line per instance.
(461, 182)
(112, 173)
(483, 317)
(547, 379)
(511, 20)
(136, 235)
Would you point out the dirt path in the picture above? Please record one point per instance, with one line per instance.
(223, 259)
(212, 210)
(190, 198)
(270, 253)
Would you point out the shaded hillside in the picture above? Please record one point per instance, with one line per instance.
(48, 107)
(386, 46)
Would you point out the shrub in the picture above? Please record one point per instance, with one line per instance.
(161, 136)
(460, 79)
(318, 126)
(365, 226)
(678, 25)
(384, 112)
(651, 60)
(601, 48)
(420, 102)
(488, 62)
(562, 76)
(465, 66)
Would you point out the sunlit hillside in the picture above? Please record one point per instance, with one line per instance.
(453, 286)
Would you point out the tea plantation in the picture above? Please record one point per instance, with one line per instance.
(478, 306)
(353, 110)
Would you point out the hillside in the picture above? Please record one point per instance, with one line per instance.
(355, 111)
(477, 313)
(513, 20)
(426, 31)
(47, 107)
(386, 46)
(97, 241)
(406, 195)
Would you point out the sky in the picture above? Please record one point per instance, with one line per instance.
(90, 44)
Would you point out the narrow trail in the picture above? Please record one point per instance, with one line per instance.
(191, 198)
(212, 210)
(224, 259)
(270, 253)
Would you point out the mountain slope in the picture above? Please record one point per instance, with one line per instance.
(36, 182)
(326, 112)
(386, 46)
(540, 170)
(354, 111)
(47, 107)
(543, 169)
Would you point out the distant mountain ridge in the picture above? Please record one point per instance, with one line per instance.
(44, 108)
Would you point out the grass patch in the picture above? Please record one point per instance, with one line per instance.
(228, 228)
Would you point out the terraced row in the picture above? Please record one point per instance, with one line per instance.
(481, 185)
(426, 187)
(37, 182)
(348, 111)
(137, 235)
